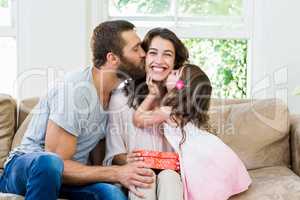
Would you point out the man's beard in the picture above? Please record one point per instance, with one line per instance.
(129, 70)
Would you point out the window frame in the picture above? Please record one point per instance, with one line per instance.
(212, 27)
(11, 31)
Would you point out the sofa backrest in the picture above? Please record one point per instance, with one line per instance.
(7, 125)
(24, 118)
(257, 130)
(25, 107)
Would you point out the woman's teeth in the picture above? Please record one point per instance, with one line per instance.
(158, 69)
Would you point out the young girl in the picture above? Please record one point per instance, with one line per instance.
(210, 170)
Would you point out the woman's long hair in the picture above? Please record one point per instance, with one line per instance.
(137, 90)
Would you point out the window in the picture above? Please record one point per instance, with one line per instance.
(216, 32)
(8, 52)
(225, 63)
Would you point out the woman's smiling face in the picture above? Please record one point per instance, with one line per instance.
(160, 58)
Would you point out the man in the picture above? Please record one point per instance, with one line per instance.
(68, 123)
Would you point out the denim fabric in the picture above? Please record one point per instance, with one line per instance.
(39, 176)
(34, 175)
(96, 191)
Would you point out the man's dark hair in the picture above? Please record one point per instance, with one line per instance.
(107, 38)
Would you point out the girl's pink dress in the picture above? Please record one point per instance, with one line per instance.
(210, 170)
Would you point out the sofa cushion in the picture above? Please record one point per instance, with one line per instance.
(272, 183)
(24, 118)
(20, 132)
(258, 131)
(25, 107)
(7, 125)
(218, 102)
(8, 196)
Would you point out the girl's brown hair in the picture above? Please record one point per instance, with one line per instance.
(190, 103)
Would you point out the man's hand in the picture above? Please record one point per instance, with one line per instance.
(135, 175)
(134, 156)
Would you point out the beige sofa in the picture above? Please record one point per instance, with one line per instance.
(262, 132)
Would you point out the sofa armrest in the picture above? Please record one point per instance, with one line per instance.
(295, 142)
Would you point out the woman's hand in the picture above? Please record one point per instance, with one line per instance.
(154, 88)
(134, 156)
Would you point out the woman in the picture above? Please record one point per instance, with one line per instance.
(164, 52)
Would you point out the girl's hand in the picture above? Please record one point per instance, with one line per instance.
(134, 156)
(172, 123)
(166, 112)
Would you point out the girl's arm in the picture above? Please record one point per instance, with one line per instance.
(146, 115)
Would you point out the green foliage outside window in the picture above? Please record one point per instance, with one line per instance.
(208, 7)
(185, 7)
(225, 61)
(145, 6)
(3, 3)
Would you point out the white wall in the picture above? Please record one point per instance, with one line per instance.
(51, 33)
(276, 51)
(54, 33)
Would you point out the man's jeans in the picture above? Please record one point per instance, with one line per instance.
(39, 176)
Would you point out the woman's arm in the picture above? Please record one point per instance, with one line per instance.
(116, 140)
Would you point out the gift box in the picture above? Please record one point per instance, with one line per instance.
(160, 160)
